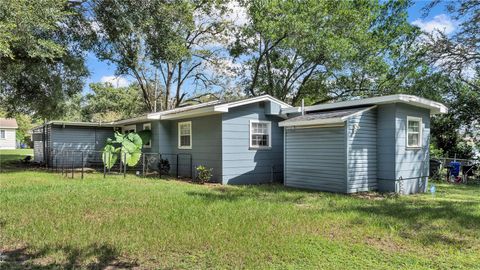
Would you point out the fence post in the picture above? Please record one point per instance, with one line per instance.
(125, 165)
(63, 163)
(160, 165)
(104, 165)
(177, 165)
(82, 165)
(73, 160)
(143, 164)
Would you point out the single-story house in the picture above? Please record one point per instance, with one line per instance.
(8, 129)
(376, 143)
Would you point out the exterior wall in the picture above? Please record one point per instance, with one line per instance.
(161, 137)
(412, 164)
(10, 139)
(206, 144)
(401, 169)
(385, 145)
(362, 152)
(315, 158)
(71, 138)
(245, 165)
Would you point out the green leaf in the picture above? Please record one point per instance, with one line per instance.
(119, 138)
(135, 139)
(145, 135)
(109, 156)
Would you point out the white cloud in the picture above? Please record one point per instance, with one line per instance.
(116, 81)
(440, 22)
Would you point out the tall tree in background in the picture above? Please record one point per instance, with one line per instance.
(322, 50)
(457, 57)
(168, 43)
(107, 103)
(40, 62)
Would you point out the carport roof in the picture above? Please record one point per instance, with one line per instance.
(325, 117)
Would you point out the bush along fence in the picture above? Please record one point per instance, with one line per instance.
(71, 162)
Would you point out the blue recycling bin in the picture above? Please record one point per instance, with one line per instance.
(455, 168)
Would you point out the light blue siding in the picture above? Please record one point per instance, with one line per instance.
(385, 146)
(401, 169)
(315, 158)
(206, 144)
(412, 164)
(72, 138)
(242, 165)
(161, 137)
(79, 138)
(362, 152)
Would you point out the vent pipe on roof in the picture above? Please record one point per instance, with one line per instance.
(303, 106)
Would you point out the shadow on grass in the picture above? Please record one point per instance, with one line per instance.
(14, 163)
(98, 256)
(431, 222)
(263, 192)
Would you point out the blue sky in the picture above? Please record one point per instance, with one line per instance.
(437, 19)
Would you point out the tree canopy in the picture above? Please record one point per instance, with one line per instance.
(40, 64)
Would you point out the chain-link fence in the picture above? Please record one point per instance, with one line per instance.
(441, 169)
(69, 163)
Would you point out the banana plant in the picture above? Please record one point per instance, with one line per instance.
(130, 148)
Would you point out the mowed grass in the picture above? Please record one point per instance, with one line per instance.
(51, 222)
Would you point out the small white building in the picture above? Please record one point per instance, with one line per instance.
(8, 127)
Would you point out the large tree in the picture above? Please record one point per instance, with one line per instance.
(161, 44)
(41, 64)
(457, 57)
(322, 50)
(107, 103)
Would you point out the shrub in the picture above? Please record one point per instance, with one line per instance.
(164, 166)
(204, 174)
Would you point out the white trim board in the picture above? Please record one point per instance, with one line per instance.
(434, 107)
(322, 122)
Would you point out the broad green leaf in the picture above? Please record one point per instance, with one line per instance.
(145, 135)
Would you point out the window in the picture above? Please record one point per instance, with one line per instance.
(260, 134)
(414, 131)
(2, 134)
(148, 144)
(128, 129)
(185, 135)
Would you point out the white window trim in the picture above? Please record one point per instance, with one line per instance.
(269, 135)
(178, 127)
(4, 134)
(420, 132)
(125, 128)
(149, 125)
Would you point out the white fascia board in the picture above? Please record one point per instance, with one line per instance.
(226, 106)
(317, 122)
(434, 107)
(214, 109)
(140, 119)
(189, 114)
(81, 124)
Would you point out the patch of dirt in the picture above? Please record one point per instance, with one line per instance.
(383, 244)
(374, 196)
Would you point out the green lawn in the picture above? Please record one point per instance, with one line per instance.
(51, 222)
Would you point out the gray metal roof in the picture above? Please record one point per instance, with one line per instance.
(324, 117)
(8, 123)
